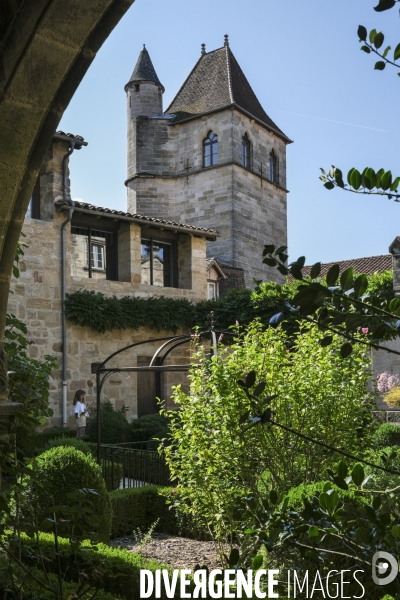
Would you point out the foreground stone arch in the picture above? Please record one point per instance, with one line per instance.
(46, 47)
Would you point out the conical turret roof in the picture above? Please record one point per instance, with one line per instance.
(144, 70)
(216, 82)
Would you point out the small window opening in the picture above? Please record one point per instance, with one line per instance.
(210, 150)
(273, 167)
(246, 151)
(137, 87)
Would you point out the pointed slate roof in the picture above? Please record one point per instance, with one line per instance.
(144, 70)
(216, 82)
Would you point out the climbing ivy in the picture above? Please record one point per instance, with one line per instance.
(102, 313)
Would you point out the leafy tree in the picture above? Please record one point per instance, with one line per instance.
(309, 388)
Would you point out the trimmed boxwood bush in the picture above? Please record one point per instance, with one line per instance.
(149, 427)
(78, 444)
(66, 470)
(139, 508)
(387, 434)
(297, 494)
(114, 428)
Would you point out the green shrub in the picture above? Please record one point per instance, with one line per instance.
(56, 432)
(388, 457)
(66, 470)
(297, 494)
(114, 428)
(139, 508)
(77, 443)
(387, 434)
(150, 426)
(120, 570)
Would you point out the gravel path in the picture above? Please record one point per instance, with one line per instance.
(178, 552)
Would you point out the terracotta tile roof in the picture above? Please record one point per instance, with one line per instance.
(144, 70)
(78, 139)
(367, 265)
(217, 81)
(110, 212)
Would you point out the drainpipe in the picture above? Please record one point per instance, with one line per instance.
(71, 203)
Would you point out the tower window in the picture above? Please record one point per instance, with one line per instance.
(273, 167)
(246, 151)
(137, 87)
(210, 150)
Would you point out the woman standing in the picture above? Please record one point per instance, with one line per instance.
(80, 410)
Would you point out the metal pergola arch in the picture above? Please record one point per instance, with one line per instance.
(103, 372)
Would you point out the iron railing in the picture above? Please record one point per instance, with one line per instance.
(133, 465)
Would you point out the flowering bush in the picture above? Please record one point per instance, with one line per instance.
(386, 382)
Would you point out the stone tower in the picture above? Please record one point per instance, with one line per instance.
(214, 159)
(144, 97)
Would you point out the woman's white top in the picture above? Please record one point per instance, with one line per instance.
(79, 408)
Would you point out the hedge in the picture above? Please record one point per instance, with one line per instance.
(387, 434)
(139, 508)
(121, 569)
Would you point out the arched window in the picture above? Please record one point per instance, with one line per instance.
(273, 167)
(210, 150)
(246, 151)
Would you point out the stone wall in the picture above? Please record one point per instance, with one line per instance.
(37, 301)
(243, 205)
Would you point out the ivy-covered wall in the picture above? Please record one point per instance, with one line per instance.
(102, 313)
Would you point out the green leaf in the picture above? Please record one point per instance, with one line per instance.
(273, 496)
(369, 178)
(355, 179)
(378, 40)
(250, 379)
(377, 502)
(332, 275)
(386, 180)
(315, 270)
(340, 483)
(329, 185)
(366, 49)
(283, 270)
(395, 184)
(357, 474)
(380, 65)
(384, 5)
(257, 562)
(271, 262)
(361, 285)
(386, 51)
(396, 531)
(301, 262)
(362, 33)
(260, 387)
(296, 272)
(346, 350)
(326, 341)
(347, 279)
(359, 535)
(396, 55)
(342, 469)
(339, 178)
(379, 331)
(244, 417)
(269, 249)
(372, 35)
(234, 557)
(313, 532)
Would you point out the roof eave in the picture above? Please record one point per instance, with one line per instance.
(209, 235)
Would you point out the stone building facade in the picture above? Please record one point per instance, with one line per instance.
(106, 251)
(214, 158)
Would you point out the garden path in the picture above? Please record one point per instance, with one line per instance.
(178, 552)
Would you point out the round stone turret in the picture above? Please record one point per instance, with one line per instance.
(144, 90)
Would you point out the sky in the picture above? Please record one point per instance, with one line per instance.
(304, 63)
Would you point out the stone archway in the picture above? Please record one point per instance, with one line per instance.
(46, 47)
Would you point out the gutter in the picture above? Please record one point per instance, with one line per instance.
(67, 202)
